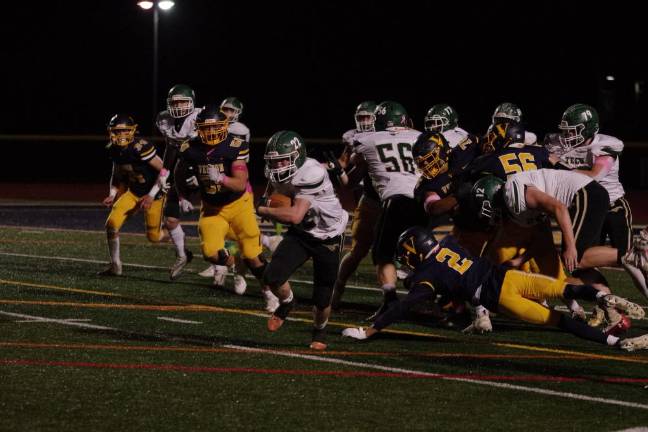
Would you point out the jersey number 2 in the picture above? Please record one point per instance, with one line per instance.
(453, 260)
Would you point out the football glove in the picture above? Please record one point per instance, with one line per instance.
(214, 174)
(185, 205)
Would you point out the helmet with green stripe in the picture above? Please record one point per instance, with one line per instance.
(285, 153)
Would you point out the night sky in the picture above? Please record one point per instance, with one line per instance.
(306, 65)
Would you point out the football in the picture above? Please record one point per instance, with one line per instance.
(279, 200)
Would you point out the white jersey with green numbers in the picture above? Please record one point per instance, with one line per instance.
(583, 157)
(389, 160)
(560, 184)
(325, 218)
(177, 129)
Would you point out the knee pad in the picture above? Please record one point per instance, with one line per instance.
(590, 276)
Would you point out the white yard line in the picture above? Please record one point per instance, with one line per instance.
(178, 320)
(362, 365)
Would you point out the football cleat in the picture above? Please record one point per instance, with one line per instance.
(481, 324)
(635, 262)
(272, 301)
(319, 339)
(635, 343)
(208, 272)
(219, 276)
(618, 328)
(180, 264)
(240, 285)
(279, 316)
(114, 269)
(611, 301)
(597, 318)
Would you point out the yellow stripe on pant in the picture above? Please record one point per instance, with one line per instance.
(521, 293)
(126, 206)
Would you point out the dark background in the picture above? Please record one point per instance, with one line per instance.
(70, 65)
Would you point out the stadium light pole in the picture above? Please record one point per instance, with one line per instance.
(156, 5)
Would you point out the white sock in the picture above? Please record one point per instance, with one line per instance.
(481, 310)
(289, 298)
(388, 287)
(113, 250)
(600, 294)
(612, 340)
(178, 239)
(265, 241)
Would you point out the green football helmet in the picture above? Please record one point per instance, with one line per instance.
(487, 198)
(579, 123)
(232, 107)
(507, 112)
(285, 153)
(440, 118)
(181, 101)
(364, 116)
(390, 114)
(121, 130)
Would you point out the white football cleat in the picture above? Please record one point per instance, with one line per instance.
(481, 324)
(180, 264)
(208, 272)
(633, 310)
(355, 333)
(114, 269)
(272, 301)
(219, 276)
(240, 284)
(635, 343)
(635, 263)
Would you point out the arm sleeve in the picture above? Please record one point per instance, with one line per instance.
(397, 310)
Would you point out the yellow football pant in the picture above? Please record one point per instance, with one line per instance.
(520, 295)
(126, 205)
(512, 240)
(215, 223)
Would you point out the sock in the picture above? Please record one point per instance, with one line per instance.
(288, 299)
(600, 294)
(113, 250)
(265, 241)
(581, 329)
(481, 310)
(178, 239)
(612, 340)
(388, 287)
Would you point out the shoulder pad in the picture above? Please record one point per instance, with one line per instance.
(238, 128)
(311, 174)
(348, 136)
(607, 145)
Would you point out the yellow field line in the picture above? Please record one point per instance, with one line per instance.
(58, 288)
(206, 308)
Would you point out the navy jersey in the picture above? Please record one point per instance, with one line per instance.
(200, 157)
(441, 185)
(451, 271)
(463, 154)
(510, 160)
(131, 166)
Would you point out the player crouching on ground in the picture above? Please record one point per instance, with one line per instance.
(218, 159)
(135, 170)
(448, 269)
(317, 223)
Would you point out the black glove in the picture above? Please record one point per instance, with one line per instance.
(333, 164)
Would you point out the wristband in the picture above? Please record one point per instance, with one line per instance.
(113, 192)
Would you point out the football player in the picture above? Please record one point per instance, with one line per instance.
(233, 108)
(219, 161)
(386, 154)
(317, 224)
(136, 166)
(511, 113)
(177, 125)
(582, 148)
(446, 268)
(367, 209)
